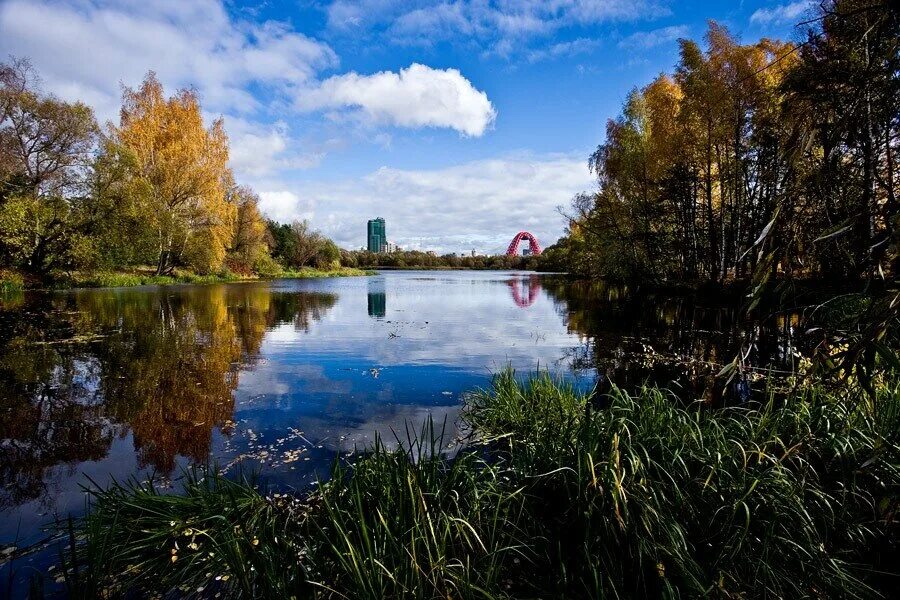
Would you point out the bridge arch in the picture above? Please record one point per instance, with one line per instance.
(533, 244)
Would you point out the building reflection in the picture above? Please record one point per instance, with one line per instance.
(377, 298)
(78, 370)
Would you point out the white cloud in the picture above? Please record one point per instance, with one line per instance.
(645, 40)
(84, 49)
(480, 204)
(259, 150)
(245, 70)
(501, 26)
(284, 206)
(782, 13)
(417, 96)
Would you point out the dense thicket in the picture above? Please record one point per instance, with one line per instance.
(773, 157)
(154, 190)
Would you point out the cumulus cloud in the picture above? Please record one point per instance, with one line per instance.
(782, 13)
(284, 206)
(644, 40)
(480, 204)
(243, 69)
(501, 27)
(417, 96)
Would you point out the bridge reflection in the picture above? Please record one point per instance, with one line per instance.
(525, 291)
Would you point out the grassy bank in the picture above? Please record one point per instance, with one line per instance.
(137, 277)
(309, 273)
(558, 495)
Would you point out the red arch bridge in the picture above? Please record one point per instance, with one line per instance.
(533, 245)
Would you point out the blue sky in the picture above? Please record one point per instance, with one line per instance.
(460, 123)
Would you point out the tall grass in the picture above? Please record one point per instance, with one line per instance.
(651, 498)
(218, 536)
(311, 273)
(116, 279)
(561, 494)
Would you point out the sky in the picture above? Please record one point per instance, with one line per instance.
(459, 122)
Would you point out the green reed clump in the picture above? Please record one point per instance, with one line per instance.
(645, 497)
(413, 524)
(219, 537)
(562, 495)
(10, 282)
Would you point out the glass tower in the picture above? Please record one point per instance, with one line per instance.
(377, 238)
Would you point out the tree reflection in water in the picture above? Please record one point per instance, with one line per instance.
(632, 338)
(78, 369)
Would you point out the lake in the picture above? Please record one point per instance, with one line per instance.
(283, 376)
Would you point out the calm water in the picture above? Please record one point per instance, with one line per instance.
(284, 375)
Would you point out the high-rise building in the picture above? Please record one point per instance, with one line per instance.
(377, 238)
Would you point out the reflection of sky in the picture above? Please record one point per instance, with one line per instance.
(352, 376)
(463, 320)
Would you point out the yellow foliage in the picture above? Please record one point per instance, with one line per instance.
(184, 168)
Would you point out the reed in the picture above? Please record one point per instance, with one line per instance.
(559, 494)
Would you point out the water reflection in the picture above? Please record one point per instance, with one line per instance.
(376, 298)
(78, 370)
(679, 341)
(525, 291)
(283, 375)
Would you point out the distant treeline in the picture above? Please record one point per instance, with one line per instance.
(767, 158)
(428, 260)
(154, 190)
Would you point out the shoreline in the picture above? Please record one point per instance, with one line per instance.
(15, 283)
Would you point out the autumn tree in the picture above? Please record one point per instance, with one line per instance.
(249, 245)
(843, 101)
(296, 244)
(47, 165)
(183, 167)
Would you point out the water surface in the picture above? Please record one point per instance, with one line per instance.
(283, 376)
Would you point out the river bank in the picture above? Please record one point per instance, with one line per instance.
(11, 281)
(555, 494)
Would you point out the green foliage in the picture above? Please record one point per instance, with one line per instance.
(328, 255)
(310, 273)
(219, 535)
(653, 499)
(266, 266)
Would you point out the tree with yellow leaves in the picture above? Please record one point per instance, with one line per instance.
(181, 167)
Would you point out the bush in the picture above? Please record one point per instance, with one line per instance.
(266, 266)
